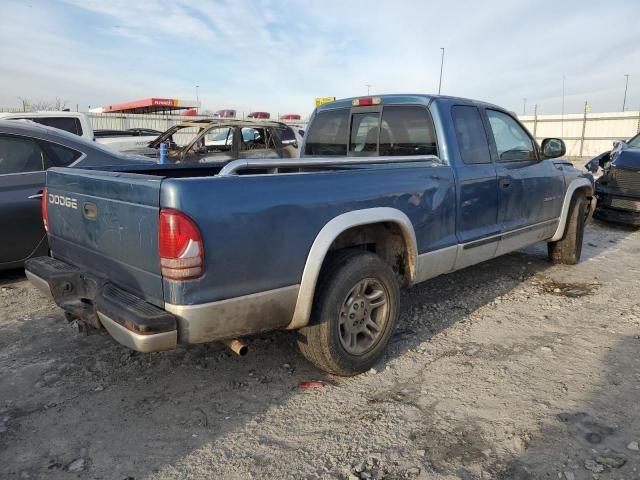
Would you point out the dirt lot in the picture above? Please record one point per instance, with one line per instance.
(510, 369)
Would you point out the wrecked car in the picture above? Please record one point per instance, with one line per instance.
(222, 140)
(618, 189)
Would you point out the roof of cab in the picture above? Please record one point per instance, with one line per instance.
(29, 128)
(401, 98)
(20, 126)
(39, 114)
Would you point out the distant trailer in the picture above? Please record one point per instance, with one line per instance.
(225, 114)
(260, 115)
(290, 116)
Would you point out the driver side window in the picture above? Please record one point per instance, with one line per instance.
(512, 141)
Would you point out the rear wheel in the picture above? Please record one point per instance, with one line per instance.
(354, 313)
(568, 249)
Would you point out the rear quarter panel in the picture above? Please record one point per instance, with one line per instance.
(258, 230)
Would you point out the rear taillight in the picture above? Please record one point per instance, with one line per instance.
(45, 215)
(180, 246)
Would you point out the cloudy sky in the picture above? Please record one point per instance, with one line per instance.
(279, 55)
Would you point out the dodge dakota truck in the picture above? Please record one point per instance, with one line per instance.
(390, 191)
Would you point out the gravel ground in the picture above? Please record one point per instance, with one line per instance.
(513, 369)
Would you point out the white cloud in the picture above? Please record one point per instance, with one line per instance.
(267, 54)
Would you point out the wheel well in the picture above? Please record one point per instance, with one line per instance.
(385, 239)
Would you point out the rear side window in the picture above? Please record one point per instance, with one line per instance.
(407, 131)
(58, 155)
(19, 155)
(471, 135)
(286, 135)
(68, 124)
(328, 134)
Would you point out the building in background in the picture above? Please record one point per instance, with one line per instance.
(152, 105)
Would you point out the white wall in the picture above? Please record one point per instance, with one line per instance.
(600, 130)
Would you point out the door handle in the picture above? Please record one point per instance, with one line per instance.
(37, 195)
(505, 183)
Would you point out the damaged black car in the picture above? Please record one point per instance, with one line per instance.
(618, 189)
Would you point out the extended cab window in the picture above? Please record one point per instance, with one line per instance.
(470, 133)
(407, 130)
(68, 124)
(512, 142)
(328, 134)
(19, 155)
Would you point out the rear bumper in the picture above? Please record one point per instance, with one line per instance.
(130, 320)
(144, 327)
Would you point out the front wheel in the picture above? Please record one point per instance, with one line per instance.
(354, 313)
(568, 249)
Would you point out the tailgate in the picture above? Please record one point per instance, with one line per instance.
(107, 224)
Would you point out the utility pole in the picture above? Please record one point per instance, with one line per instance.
(626, 86)
(535, 120)
(197, 97)
(584, 126)
(368, 85)
(441, 65)
(524, 107)
(562, 120)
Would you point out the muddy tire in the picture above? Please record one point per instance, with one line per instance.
(354, 313)
(568, 249)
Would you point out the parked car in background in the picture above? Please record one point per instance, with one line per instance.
(26, 151)
(618, 188)
(223, 140)
(145, 132)
(259, 115)
(78, 124)
(131, 132)
(391, 191)
(228, 113)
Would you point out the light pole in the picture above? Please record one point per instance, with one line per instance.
(626, 86)
(441, 65)
(368, 85)
(524, 106)
(197, 97)
(562, 120)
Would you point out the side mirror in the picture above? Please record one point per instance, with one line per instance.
(553, 148)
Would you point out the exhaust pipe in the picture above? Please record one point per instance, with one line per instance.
(236, 346)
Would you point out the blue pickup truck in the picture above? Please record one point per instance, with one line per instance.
(390, 191)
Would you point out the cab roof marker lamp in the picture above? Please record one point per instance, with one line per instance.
(366, 101)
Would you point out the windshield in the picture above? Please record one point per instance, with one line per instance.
(178, 136)
(635, 141)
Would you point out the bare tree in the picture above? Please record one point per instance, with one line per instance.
(60, 104)
(26, 104)
(42, 105)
